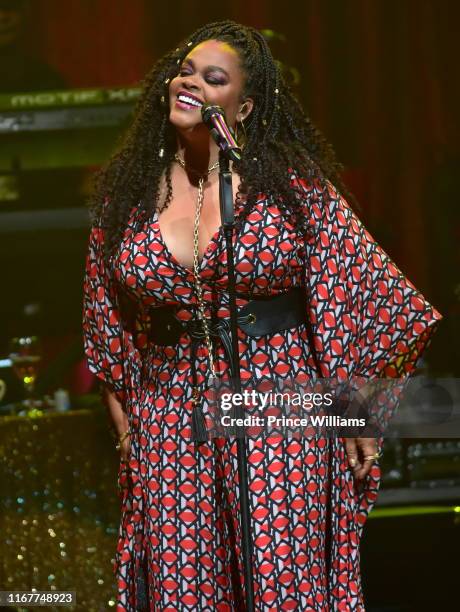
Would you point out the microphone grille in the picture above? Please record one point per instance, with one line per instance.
(208, 110)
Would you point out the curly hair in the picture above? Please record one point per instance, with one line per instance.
(280, 139)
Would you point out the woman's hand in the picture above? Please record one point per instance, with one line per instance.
(125, 449)
(119, 419)
(359, 452)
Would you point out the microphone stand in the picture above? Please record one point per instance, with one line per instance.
(228, 221)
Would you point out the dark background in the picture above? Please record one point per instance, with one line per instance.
(378, 77)
(380, 80)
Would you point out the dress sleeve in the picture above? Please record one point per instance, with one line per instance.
(113, 329)
(395, 323)
(367, 318)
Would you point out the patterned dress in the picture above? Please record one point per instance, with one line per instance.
(179, 499)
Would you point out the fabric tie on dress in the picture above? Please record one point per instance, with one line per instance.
(219, 329)
(258, 317)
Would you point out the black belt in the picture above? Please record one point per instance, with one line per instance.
(256, 318)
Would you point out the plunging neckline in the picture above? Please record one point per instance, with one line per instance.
(173, 258)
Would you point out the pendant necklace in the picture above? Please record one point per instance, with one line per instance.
(198, 420)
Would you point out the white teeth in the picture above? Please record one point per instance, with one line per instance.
(189, 100)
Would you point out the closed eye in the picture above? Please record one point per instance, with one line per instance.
(188, 70)
(210, 80)
(213, 81)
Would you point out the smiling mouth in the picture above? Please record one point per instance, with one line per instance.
(188, 101)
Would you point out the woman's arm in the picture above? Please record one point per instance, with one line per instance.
(119, 418)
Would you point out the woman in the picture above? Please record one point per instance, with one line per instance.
(179, 539)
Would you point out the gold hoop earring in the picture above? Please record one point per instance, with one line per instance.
(245, 136)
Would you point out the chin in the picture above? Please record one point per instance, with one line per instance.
(182, 121)
(186, 124)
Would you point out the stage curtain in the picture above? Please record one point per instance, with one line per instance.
(378, 79)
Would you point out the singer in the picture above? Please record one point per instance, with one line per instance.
(156, 262)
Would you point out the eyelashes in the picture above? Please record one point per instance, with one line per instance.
(215, 81)
(209, 80)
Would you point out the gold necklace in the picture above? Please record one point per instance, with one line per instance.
(182, 163)
(196, 272)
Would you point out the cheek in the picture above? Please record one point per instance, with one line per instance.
(232, 111)
(173, 86)
(229, 102)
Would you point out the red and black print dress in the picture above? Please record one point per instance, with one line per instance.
(180, 505)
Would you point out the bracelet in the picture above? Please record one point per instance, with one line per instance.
(122, 438)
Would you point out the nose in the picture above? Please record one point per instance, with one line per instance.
(189, 83)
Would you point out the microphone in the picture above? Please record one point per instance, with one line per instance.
(214, 118)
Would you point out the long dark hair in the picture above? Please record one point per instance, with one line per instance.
(279, 137)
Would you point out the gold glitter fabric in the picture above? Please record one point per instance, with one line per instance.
(59, 506)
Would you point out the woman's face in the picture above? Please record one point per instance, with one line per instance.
(210, 73)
